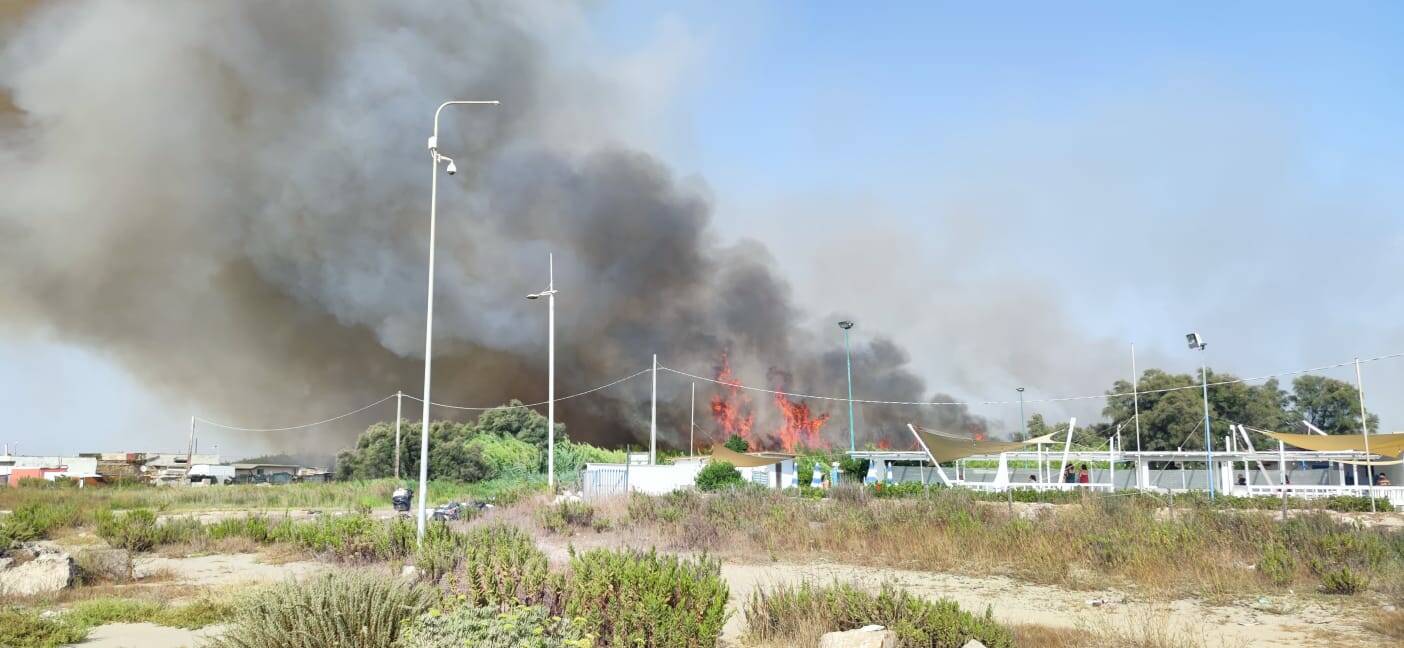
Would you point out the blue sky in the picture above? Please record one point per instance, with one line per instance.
(1044, 184)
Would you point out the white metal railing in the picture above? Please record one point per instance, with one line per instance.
(1393, 494)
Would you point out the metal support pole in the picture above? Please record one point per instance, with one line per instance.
(1023, 422)
(1208, 438)
(399, 401)
(1365, 427)
(434, 159)
(848, 360)
(653, 418)
(551, 373)
(1136, 397)
(692, 421)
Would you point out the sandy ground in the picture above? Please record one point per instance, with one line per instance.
(213, 570)
(224, 569)
(146, 635)
(1276, 622)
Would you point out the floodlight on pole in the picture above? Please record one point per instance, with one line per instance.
(550, 295)
(1195, 341)
(846, 325)
(1022, 421)
(435, 159)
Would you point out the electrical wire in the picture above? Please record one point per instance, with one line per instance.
(1015, 402)
(293, 427)
(527, 405)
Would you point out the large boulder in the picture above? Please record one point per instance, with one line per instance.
(37, 568)
(873, 636)
(104, 566)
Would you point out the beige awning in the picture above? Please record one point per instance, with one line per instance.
(723, 453)
(1385, 445)
(944, 448)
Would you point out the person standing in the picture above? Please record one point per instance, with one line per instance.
(1082, 476)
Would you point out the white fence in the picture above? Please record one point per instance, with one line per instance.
(603, 480)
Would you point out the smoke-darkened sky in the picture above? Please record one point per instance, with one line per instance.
(221, 208)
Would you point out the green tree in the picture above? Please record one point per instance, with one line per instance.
(1329, 404)
(717, 475)
(1172, 408)
(522, 423)
(737, 444)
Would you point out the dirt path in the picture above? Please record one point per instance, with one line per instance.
(145, 635)
(225, 569)
(1017, 603)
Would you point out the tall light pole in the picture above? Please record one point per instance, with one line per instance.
(1197, 342)
(550, 295)
(848, 359)
(1022, 421)
(435, 158)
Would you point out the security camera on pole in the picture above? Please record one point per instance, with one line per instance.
(1197, 342)
(436, 158)
(550, 295)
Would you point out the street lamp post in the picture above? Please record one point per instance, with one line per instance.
(435, 158)
(1197, 342)
(550, 295)
(1023, 422)
(848, 360)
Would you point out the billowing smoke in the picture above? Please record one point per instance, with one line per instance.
(230, 199)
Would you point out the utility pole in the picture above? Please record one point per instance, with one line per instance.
(848, 361)
(653, 418)
(1365, 429)
(1023, 422)
(1136, 396)
(399, 401)
(692, 421)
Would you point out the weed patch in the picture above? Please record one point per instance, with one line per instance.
(358, 609)
(799, 614)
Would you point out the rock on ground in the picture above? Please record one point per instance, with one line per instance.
(113, 565)
(48, 569)
(865, 637)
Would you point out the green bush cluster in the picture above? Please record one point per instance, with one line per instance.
(360, 609)
(566, 515)
(717, 475)
(490, 627)
(26, 628)
(791, 613)
(34, 521)
(629, 598)
(500, 566)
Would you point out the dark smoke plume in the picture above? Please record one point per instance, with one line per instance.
(230, 199)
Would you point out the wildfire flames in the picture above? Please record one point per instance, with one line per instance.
(731, 407)
(733, 412)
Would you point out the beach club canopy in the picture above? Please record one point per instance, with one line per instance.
(949, 448)
(1385, 445)
(723, 453)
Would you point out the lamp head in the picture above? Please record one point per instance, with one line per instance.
(845, 325)
(534, 296)
(452, 168)
(1194, 341)
(1019, 389)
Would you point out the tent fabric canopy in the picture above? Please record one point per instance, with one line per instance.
(1385, 445)
(723, 453)
(945, 448)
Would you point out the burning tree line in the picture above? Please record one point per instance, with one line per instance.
(734, 414)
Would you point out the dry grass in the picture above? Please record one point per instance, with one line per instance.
(1108, 542)
(1389, 623)
(1149, 632)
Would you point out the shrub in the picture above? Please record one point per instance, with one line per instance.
(717, 475)
(506, 456)
(798, 614)
(565, 515)
(737, 444)
(628, 598)
(34, 521)
(133, 530)
(501, 567)
(19, 627)
(439, 553)
(480, 627)
(359, 609)
(1277, 565)
(1343, 580)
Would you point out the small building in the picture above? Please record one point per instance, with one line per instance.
(266, 472)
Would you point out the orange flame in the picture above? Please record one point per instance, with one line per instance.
(731, 408)
(800, 427)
